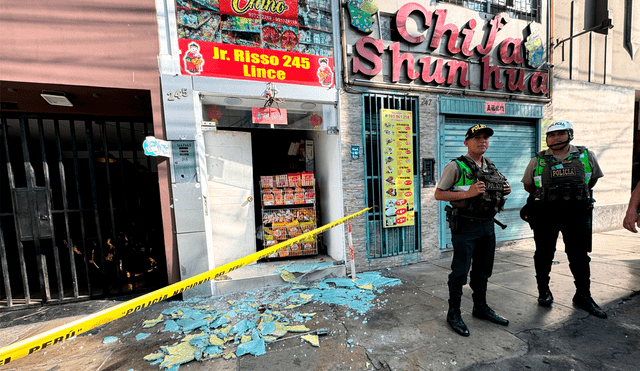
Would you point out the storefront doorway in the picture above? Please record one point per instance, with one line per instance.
(268, 183)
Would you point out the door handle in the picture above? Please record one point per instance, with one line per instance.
(44, 217)
(249, 198)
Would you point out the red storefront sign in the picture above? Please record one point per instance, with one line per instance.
(435, 70)
(496, 108)
(276, 116)
(246, 63)
(270, 41)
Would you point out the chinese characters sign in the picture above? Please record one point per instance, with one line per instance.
(495, 108)
(397, 165)
(282, 40)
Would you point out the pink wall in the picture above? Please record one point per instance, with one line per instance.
(104, 43)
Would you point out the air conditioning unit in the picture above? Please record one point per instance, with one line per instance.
(56, 98)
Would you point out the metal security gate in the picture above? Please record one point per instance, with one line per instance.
(383, 242)
(79, 209)
(512, 145)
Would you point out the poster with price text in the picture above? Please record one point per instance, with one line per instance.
(397, 168)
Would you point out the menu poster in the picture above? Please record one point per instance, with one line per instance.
(397, 165)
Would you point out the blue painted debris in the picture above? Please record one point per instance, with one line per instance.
(244, 326)
(304, 267)
(109, 339)
(256, 347)
(171, 325)
(142, 336)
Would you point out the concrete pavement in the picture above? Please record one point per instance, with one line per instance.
(405, 329)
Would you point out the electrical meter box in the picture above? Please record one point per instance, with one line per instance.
(184, 161)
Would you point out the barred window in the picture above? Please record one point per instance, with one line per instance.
(528, 10)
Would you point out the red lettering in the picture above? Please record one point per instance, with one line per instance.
(401, 21)
(487, 71)
(426, 68)
(468, 37)
(538, 82)
(368, 56)
(441, 29)
(454, 66)
(495, 25)
(512, 84)
(396, 63)
(511, 51)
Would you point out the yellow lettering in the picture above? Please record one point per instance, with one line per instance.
(238, 55)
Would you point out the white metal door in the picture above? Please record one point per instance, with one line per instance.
(230, 185)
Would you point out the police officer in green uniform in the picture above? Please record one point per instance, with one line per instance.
(560, 180)
(476, 189)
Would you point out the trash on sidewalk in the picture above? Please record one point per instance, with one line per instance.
(244, 326)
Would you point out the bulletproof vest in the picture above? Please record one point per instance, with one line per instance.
(565, 180)
(485, 205)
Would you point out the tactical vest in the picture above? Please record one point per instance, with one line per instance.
(566, 180)
(487, 204)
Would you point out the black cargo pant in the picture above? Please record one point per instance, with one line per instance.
(574, 221)
(474, 247)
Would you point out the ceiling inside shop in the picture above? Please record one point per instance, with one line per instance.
(236, 111)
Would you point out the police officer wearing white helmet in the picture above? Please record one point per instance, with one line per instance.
(560, 180)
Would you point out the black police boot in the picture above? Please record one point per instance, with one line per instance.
(545, 298)
(585, 301)
(483, 311)
(454, 318)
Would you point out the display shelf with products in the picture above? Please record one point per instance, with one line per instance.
(289, 210)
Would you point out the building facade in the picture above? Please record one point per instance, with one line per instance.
(280, 117)
(251, 110)
(596, 83)
(447, 65)
(83, 212)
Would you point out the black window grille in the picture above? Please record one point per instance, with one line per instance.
(383, 242)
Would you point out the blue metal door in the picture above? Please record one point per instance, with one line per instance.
(513, 144)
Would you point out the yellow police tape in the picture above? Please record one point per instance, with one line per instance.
(62, 333)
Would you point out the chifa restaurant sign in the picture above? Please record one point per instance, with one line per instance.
(511, 52)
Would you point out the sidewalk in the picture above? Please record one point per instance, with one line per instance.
(405, 328)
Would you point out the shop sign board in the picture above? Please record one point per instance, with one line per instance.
(274, 116)
(495, 108)
(397, 164)
(457, 60)
(156, 147)
(270, 41)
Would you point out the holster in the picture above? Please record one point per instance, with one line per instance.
(452, 217)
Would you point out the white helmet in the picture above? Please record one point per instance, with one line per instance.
(561, 125)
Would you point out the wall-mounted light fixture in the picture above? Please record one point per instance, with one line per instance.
(606, 24)
(233, 100)
(56, 98)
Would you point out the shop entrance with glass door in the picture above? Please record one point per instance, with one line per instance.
(264, 180)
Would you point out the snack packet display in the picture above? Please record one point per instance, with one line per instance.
(282, 180)
(268, 198)
(266, 181)
(295, 179)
